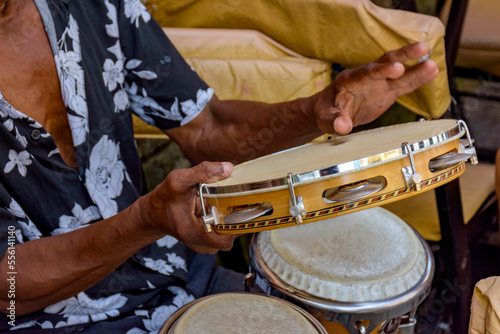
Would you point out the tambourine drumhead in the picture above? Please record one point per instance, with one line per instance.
(242, 313)
(354, 151)
(365, 256)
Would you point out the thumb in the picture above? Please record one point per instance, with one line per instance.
(208, 172)
(337, 117)
(342, 124)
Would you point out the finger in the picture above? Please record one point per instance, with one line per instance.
(203, 250)
(215, 241)
(376, 71)
(415, 77)
(198, 209)
(408, 52)
(207, 172)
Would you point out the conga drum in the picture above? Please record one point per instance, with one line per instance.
(338, 176)
(365, 272)
(233, 313)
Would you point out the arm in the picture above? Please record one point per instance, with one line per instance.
(55, 268)
(497, 185)
(241, 130)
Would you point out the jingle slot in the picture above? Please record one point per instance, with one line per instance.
(354, 191)
(244, 213)
(447, 160)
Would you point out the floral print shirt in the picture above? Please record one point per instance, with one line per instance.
(112, 59)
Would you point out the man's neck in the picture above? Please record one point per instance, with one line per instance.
(3, 4)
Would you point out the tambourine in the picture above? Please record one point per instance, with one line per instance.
(337, 176)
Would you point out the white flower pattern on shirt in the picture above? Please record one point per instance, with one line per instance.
(30, 231)
(161, 314)
(80, 219)
(113, 74)
(176, 261)
(101, 82)
(135, 10)
(71, 76)
(192, 108)
(19, 160)
(112, 29)
(15, 209)
(81, 308)
(141, 102)
(121, 100)
(105, 175)
(167, 241)
(159, 265)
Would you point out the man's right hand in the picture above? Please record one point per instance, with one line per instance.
(173, 207)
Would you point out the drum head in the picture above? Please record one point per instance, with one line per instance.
(242, 313)
(338, 155)
(365, 256)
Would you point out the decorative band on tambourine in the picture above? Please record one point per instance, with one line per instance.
(343, 208)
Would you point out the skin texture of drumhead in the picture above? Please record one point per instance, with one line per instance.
(333, 152)
(364, 256)
(242, 313)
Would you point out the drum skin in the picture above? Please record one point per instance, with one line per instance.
(282, 265)
(237, 312)
(390, 171)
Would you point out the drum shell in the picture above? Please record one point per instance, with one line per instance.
(312, 192)
(331, 313)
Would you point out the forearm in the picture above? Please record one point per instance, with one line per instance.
(238, 131)
(55, 268)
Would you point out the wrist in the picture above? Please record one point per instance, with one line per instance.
(143, 215)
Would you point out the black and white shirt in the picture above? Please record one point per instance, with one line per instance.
(112, 59)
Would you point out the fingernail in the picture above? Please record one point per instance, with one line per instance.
(397, 65)
(228, 167)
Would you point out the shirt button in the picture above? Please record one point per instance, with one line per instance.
(35, 134)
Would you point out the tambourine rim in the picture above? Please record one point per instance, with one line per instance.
(406, 300)
(336, 170)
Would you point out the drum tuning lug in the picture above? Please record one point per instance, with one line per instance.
(297, 208)
(468, 146)
(361, 329)
(412, 178)
(249, 281)
(208, 219)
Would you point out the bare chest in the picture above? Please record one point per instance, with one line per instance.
(28, 77)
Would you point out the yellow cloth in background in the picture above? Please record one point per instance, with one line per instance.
(247, 65)
(421, 212)
(244, 65)
(346, 32)
(485, 309)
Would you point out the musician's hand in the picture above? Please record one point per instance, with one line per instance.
(174, 207)
(360, 95)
